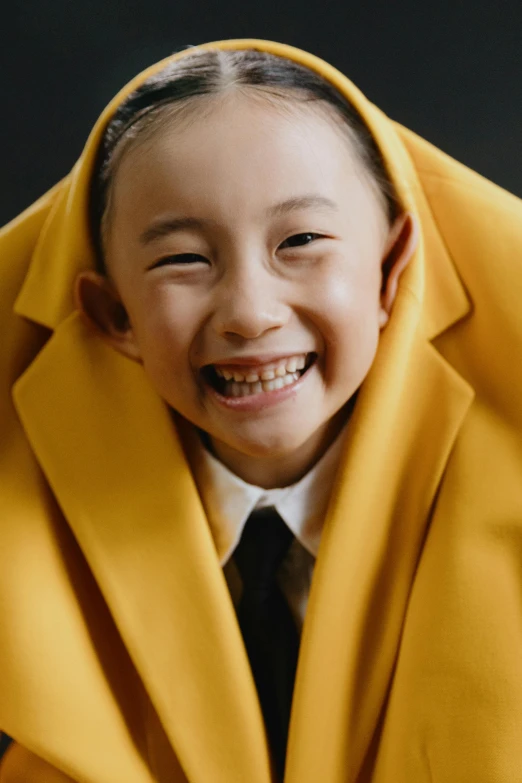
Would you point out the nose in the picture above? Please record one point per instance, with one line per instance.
(249, 303)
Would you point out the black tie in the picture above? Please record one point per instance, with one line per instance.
(269, 632)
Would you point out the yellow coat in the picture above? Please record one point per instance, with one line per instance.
(121, 660)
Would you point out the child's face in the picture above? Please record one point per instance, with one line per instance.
(247, 242)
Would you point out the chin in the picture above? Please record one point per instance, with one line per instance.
(276, 446)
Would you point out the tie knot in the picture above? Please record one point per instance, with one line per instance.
(264, 543)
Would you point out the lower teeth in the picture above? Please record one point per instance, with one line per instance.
(234, 389)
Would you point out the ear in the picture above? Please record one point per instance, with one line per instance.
(401, 244)
(99, 303)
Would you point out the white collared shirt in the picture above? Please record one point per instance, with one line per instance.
(228, 502)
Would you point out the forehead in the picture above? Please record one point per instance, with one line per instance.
(236, 153)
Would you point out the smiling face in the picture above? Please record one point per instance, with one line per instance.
(246, 247)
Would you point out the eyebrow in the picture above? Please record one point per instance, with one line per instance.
(165, 226)
(170, 225)
(302, 202)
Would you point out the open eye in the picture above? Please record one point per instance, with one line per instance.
(181, 259)
(298, 240)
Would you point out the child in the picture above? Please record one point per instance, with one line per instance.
(261, 327)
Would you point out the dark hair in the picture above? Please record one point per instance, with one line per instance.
(210, 72)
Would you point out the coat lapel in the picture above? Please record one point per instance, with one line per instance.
(398, 446)
(112, 457)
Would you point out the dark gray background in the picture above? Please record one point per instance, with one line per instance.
(450, 71)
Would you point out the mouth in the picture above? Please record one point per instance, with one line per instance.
(240, 380)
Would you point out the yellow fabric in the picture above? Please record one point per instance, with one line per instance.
(120, 657)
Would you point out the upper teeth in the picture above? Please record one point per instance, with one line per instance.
(268, 373)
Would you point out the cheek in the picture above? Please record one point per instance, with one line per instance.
(347, 308)
(345, 314)
(165, 328)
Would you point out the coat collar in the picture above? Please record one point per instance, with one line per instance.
(110, 452)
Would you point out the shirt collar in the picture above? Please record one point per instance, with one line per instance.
(228, 500)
